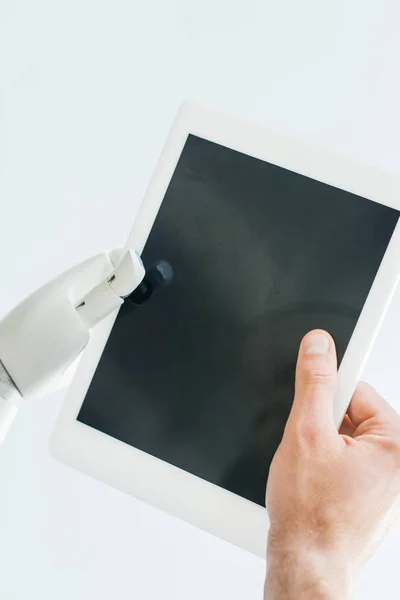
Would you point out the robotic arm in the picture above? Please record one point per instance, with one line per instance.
(46, 333)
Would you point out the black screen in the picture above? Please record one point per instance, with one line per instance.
(201, 376)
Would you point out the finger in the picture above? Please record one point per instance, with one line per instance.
(366, 404)
(347, 427)
(316, 379)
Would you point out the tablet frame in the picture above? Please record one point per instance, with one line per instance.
(150, 479)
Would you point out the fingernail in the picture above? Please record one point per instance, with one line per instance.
(316, 343)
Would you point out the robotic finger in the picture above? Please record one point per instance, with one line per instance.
(46, 332)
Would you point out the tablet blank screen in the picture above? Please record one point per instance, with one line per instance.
(201, 376)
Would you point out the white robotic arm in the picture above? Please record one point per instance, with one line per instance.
(45, 334)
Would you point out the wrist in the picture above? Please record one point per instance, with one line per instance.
(303, 573)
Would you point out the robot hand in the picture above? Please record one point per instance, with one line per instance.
(46, 333)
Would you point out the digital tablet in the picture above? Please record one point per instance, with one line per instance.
(182, 401)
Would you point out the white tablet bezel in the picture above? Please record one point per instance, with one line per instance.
(167, 487)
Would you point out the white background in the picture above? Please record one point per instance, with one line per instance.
(88, 90)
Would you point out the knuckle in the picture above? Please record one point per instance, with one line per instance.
(396, 446)
(388, 441)
(308, 433)
(392, 445)
(317, 377)
(311, 432)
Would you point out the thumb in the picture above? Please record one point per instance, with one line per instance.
(316, 379)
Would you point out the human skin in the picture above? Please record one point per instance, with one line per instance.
(331, 496)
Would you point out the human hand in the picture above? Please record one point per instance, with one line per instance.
(331, 496)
